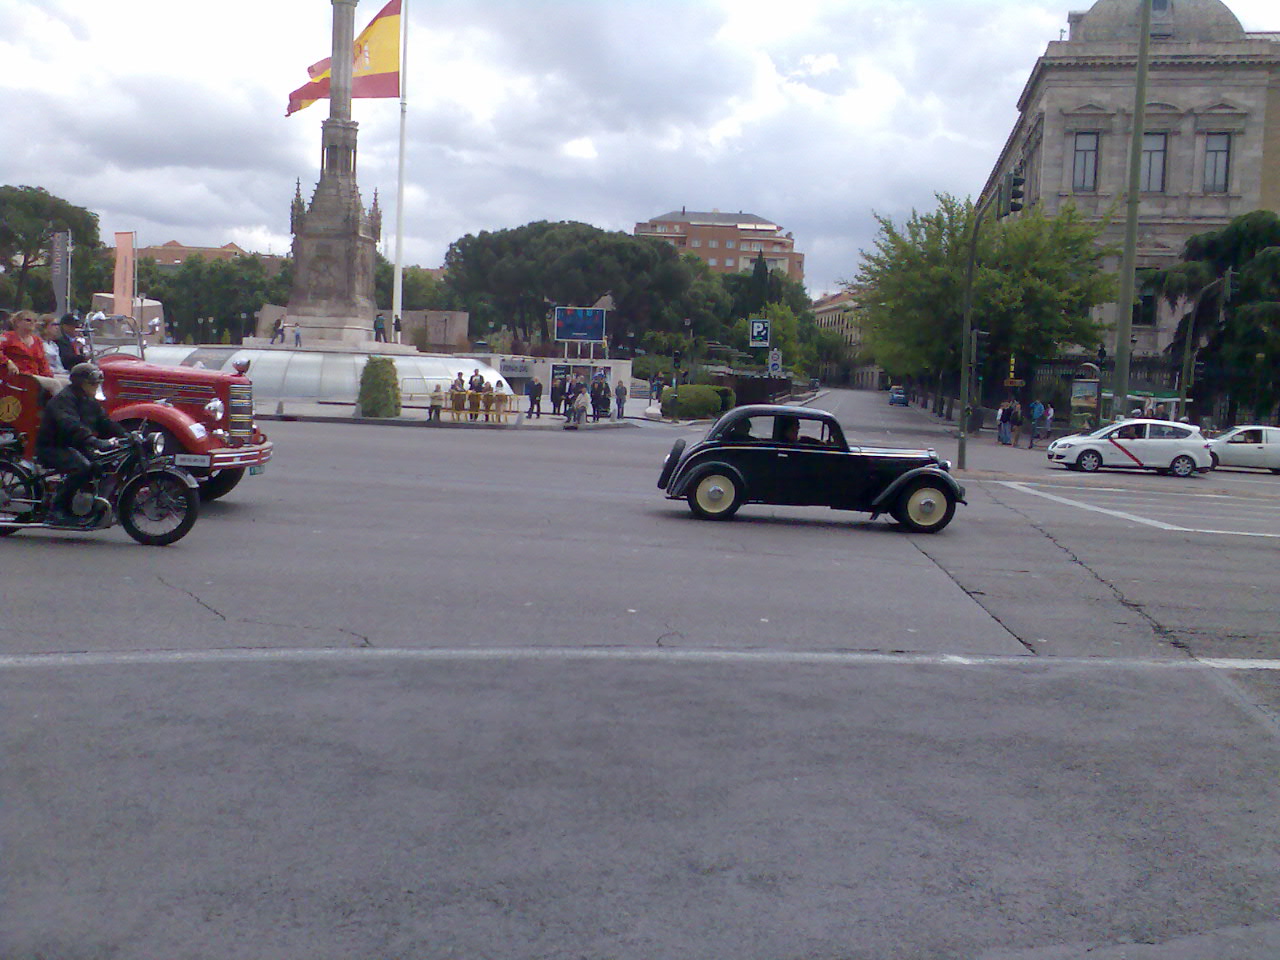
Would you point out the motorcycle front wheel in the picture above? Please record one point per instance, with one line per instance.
(158, 508)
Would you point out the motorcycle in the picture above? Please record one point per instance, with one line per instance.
(133, 483)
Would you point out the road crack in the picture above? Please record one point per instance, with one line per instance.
(1159, 629)
(214, 610)
(974, 595)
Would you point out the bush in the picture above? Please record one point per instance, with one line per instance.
(692, 402)
(728, 399)
(379, 388)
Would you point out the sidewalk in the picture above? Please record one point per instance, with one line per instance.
(327, 411)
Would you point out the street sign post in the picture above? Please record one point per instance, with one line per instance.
(775, 361)
(759, 333)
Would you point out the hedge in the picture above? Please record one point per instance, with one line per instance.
(692, 402)
(379, 388)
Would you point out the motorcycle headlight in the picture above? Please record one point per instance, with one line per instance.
(215, 408)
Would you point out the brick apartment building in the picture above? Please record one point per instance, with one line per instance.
(728, 242)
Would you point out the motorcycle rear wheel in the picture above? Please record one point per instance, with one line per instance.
(158, 509)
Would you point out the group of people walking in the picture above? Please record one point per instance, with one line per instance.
(572, 397)
(1011, 419)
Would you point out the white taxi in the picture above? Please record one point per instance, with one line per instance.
(1161, 445)
(1248, 446)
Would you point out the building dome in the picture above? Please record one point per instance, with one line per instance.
(1178, 20)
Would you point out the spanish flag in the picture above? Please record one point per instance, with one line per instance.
(375, 59)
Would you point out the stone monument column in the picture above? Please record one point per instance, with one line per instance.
(334, 238)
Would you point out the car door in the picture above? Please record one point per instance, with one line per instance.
(1271, 448)
(1247, 448)
(1123, 445)
(809, 471)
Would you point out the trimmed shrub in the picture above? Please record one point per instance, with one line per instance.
(379, 388)
(691, 402)
(728, 399)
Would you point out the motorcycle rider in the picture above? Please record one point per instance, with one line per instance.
(73, 423)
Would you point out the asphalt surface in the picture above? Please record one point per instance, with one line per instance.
(425, 693)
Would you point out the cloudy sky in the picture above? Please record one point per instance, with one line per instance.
(167, 118)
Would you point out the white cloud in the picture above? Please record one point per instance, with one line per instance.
(169, 120)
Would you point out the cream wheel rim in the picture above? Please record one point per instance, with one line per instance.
(714, 493)
(926, 506)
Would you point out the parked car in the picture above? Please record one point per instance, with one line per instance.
(1160, 445)
(1247, 446)
(897, 397)
(797, 456)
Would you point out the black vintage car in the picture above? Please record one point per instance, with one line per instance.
(796, 456)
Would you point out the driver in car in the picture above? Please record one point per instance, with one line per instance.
(72, 424)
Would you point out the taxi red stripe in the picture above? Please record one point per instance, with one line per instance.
(1126, 453)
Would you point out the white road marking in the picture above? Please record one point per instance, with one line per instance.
(21, 661)
(1133, 517)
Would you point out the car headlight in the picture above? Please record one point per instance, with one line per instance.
(215, 408)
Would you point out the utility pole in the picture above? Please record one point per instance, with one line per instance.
(1128, 260)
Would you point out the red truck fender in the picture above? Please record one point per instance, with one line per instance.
(189, 433)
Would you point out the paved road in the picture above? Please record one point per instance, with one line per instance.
(443, 694)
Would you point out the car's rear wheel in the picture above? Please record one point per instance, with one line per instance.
(1089, 461)
(715, 496)
(1182, 466)
(925, 506)
(669, 464)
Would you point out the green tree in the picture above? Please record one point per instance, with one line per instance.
(1228, 284)
(1036, 282)
(29, 217)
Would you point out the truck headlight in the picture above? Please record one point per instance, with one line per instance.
(215, 408)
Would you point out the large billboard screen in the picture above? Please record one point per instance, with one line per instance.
(583, 324)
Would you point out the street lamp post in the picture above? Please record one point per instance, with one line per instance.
(1124, 305)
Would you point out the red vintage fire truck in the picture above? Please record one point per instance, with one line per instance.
(205, 416)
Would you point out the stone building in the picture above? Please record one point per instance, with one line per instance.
(1211, 148)
(728, 242)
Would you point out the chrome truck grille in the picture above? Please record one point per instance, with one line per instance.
(240, 411)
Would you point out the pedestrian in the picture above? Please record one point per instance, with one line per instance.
(1036, 411)
(1048, 420)
(379, 329)
(580, 402)
(473, 397)
(1015, 421)
(436, 404)
(1003, 431)
(620, 397)
(395, 326)
(277, 331)
(557, 395)
(535, 398)
(297, 334)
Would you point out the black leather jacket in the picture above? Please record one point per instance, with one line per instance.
(71, 418)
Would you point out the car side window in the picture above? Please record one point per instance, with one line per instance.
(1159, 431)
(1247, 436)
(1128, 431)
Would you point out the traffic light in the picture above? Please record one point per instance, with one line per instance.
(980, 341)
(1197, 370)
(1015, 191)
(676, 357)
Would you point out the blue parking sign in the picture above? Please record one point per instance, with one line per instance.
(759, 333)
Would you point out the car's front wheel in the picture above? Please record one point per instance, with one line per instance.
(1213, 459)
(1089, 461)
(925, 506)
(715, 496)
(1182, 466)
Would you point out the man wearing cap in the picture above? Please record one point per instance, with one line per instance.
(70, 352)
(72, 424)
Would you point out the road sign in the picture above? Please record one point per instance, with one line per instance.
(759, 336)
(1014, 382)
(775, 360)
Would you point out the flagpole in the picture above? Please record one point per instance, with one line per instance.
(397, 284)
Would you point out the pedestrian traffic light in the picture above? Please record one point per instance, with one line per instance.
(1198, 370)
(1014, 191)
(676, 357)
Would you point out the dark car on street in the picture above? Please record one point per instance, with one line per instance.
(897, 397)
(799, 457)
